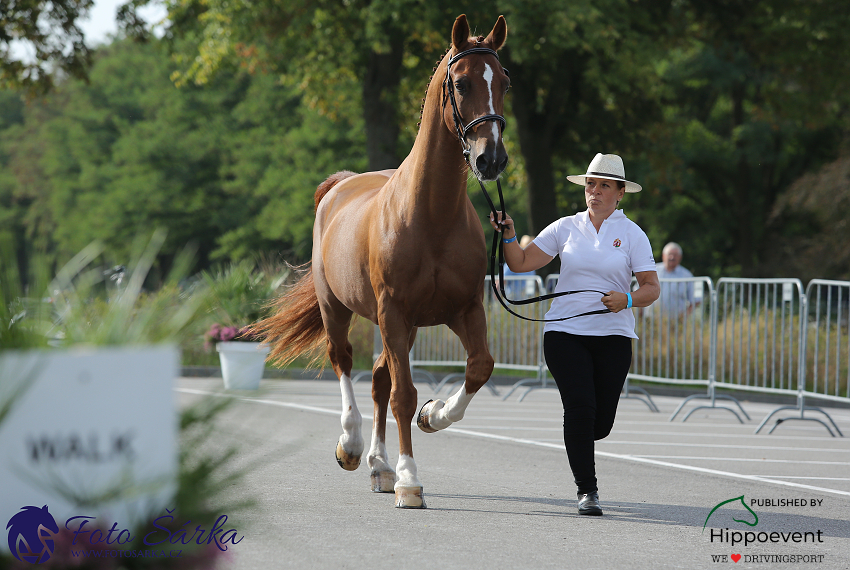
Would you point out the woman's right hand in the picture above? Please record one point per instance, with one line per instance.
(504, 223)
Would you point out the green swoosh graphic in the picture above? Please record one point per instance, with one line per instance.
(741, 498)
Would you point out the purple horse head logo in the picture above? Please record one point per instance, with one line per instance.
(31, 533)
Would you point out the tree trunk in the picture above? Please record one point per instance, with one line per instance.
(535, 142)
(535, 133)
(380, 101)
(747, 191)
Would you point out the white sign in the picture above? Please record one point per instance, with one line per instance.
(92, 432)
(787, 292)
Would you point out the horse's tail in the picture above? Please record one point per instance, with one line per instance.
(296, 326)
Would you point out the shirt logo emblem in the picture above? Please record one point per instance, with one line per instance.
(617, 243)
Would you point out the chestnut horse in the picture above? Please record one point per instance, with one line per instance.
(405, 249)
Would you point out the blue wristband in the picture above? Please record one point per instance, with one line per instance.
(509, 240)
(629, 304)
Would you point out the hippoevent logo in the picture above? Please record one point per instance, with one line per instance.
(748, 538)
(741, 498)
(33, 533)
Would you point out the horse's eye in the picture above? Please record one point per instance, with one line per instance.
(506, 72)
(460, 87)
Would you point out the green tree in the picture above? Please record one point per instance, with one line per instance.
(349, 57)
(756, 97)
(231, 165)
(582, 82)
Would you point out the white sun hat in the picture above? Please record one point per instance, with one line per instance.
(608, 166)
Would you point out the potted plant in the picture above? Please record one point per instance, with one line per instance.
(239, 296)
(242, 356)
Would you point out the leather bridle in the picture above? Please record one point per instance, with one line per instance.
(449, 93)
(461, 131)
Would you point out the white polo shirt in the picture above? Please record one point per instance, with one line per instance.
(601, 261)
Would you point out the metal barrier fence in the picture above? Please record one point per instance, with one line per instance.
(823, 355)
(515, 344)
(828, 342)
(675, 337)
(752, 335)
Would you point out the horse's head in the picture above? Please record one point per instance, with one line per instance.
(475, 89)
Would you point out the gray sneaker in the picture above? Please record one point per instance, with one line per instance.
(588, 504)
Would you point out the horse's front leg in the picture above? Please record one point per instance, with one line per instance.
(471, 328)
(396, 335)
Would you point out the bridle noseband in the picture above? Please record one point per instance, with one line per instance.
(461, 130)
(449, 88)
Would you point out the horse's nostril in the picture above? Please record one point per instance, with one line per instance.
(482, 162)
(503, 163)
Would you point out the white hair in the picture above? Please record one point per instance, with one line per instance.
(672, 245)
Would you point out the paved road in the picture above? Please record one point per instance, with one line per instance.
(500, 495)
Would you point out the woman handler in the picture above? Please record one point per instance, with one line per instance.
(589, 356)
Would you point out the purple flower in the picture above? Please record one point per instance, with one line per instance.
(228, 333)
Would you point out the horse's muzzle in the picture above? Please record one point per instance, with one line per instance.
(491, 163)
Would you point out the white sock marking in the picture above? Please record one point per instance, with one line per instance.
(377, 460)
(453, 409)
(406, 470)
(351, 420)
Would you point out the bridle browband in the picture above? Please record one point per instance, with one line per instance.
(461, 130)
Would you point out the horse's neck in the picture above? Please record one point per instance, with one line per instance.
(435, 168)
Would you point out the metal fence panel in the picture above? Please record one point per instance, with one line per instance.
(759, 333)
(675, 337)
(515, 344)
(827, 349)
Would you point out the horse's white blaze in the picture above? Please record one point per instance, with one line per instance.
(351, 420)
(377, 460)
(488, 77)
(406, 472)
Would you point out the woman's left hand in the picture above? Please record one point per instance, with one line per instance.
(615, 301)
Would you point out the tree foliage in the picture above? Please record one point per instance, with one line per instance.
(230, 166)
(39, 38)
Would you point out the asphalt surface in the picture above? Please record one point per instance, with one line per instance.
(500, 494)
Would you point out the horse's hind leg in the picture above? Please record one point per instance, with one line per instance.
(382, 475)
(471, 328)
(349, 448)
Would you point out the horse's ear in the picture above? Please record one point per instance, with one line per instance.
(460, 33)
(499, 34)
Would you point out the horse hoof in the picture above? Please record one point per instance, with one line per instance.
(409, 498)
(383, 481)
(346, 461)
(423, 420)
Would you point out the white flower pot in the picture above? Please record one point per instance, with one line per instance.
(242, 364)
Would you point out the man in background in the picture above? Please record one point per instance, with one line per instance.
(676, 298)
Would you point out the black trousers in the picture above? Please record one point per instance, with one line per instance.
(590, 372)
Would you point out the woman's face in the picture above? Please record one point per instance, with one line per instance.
(602, 194)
